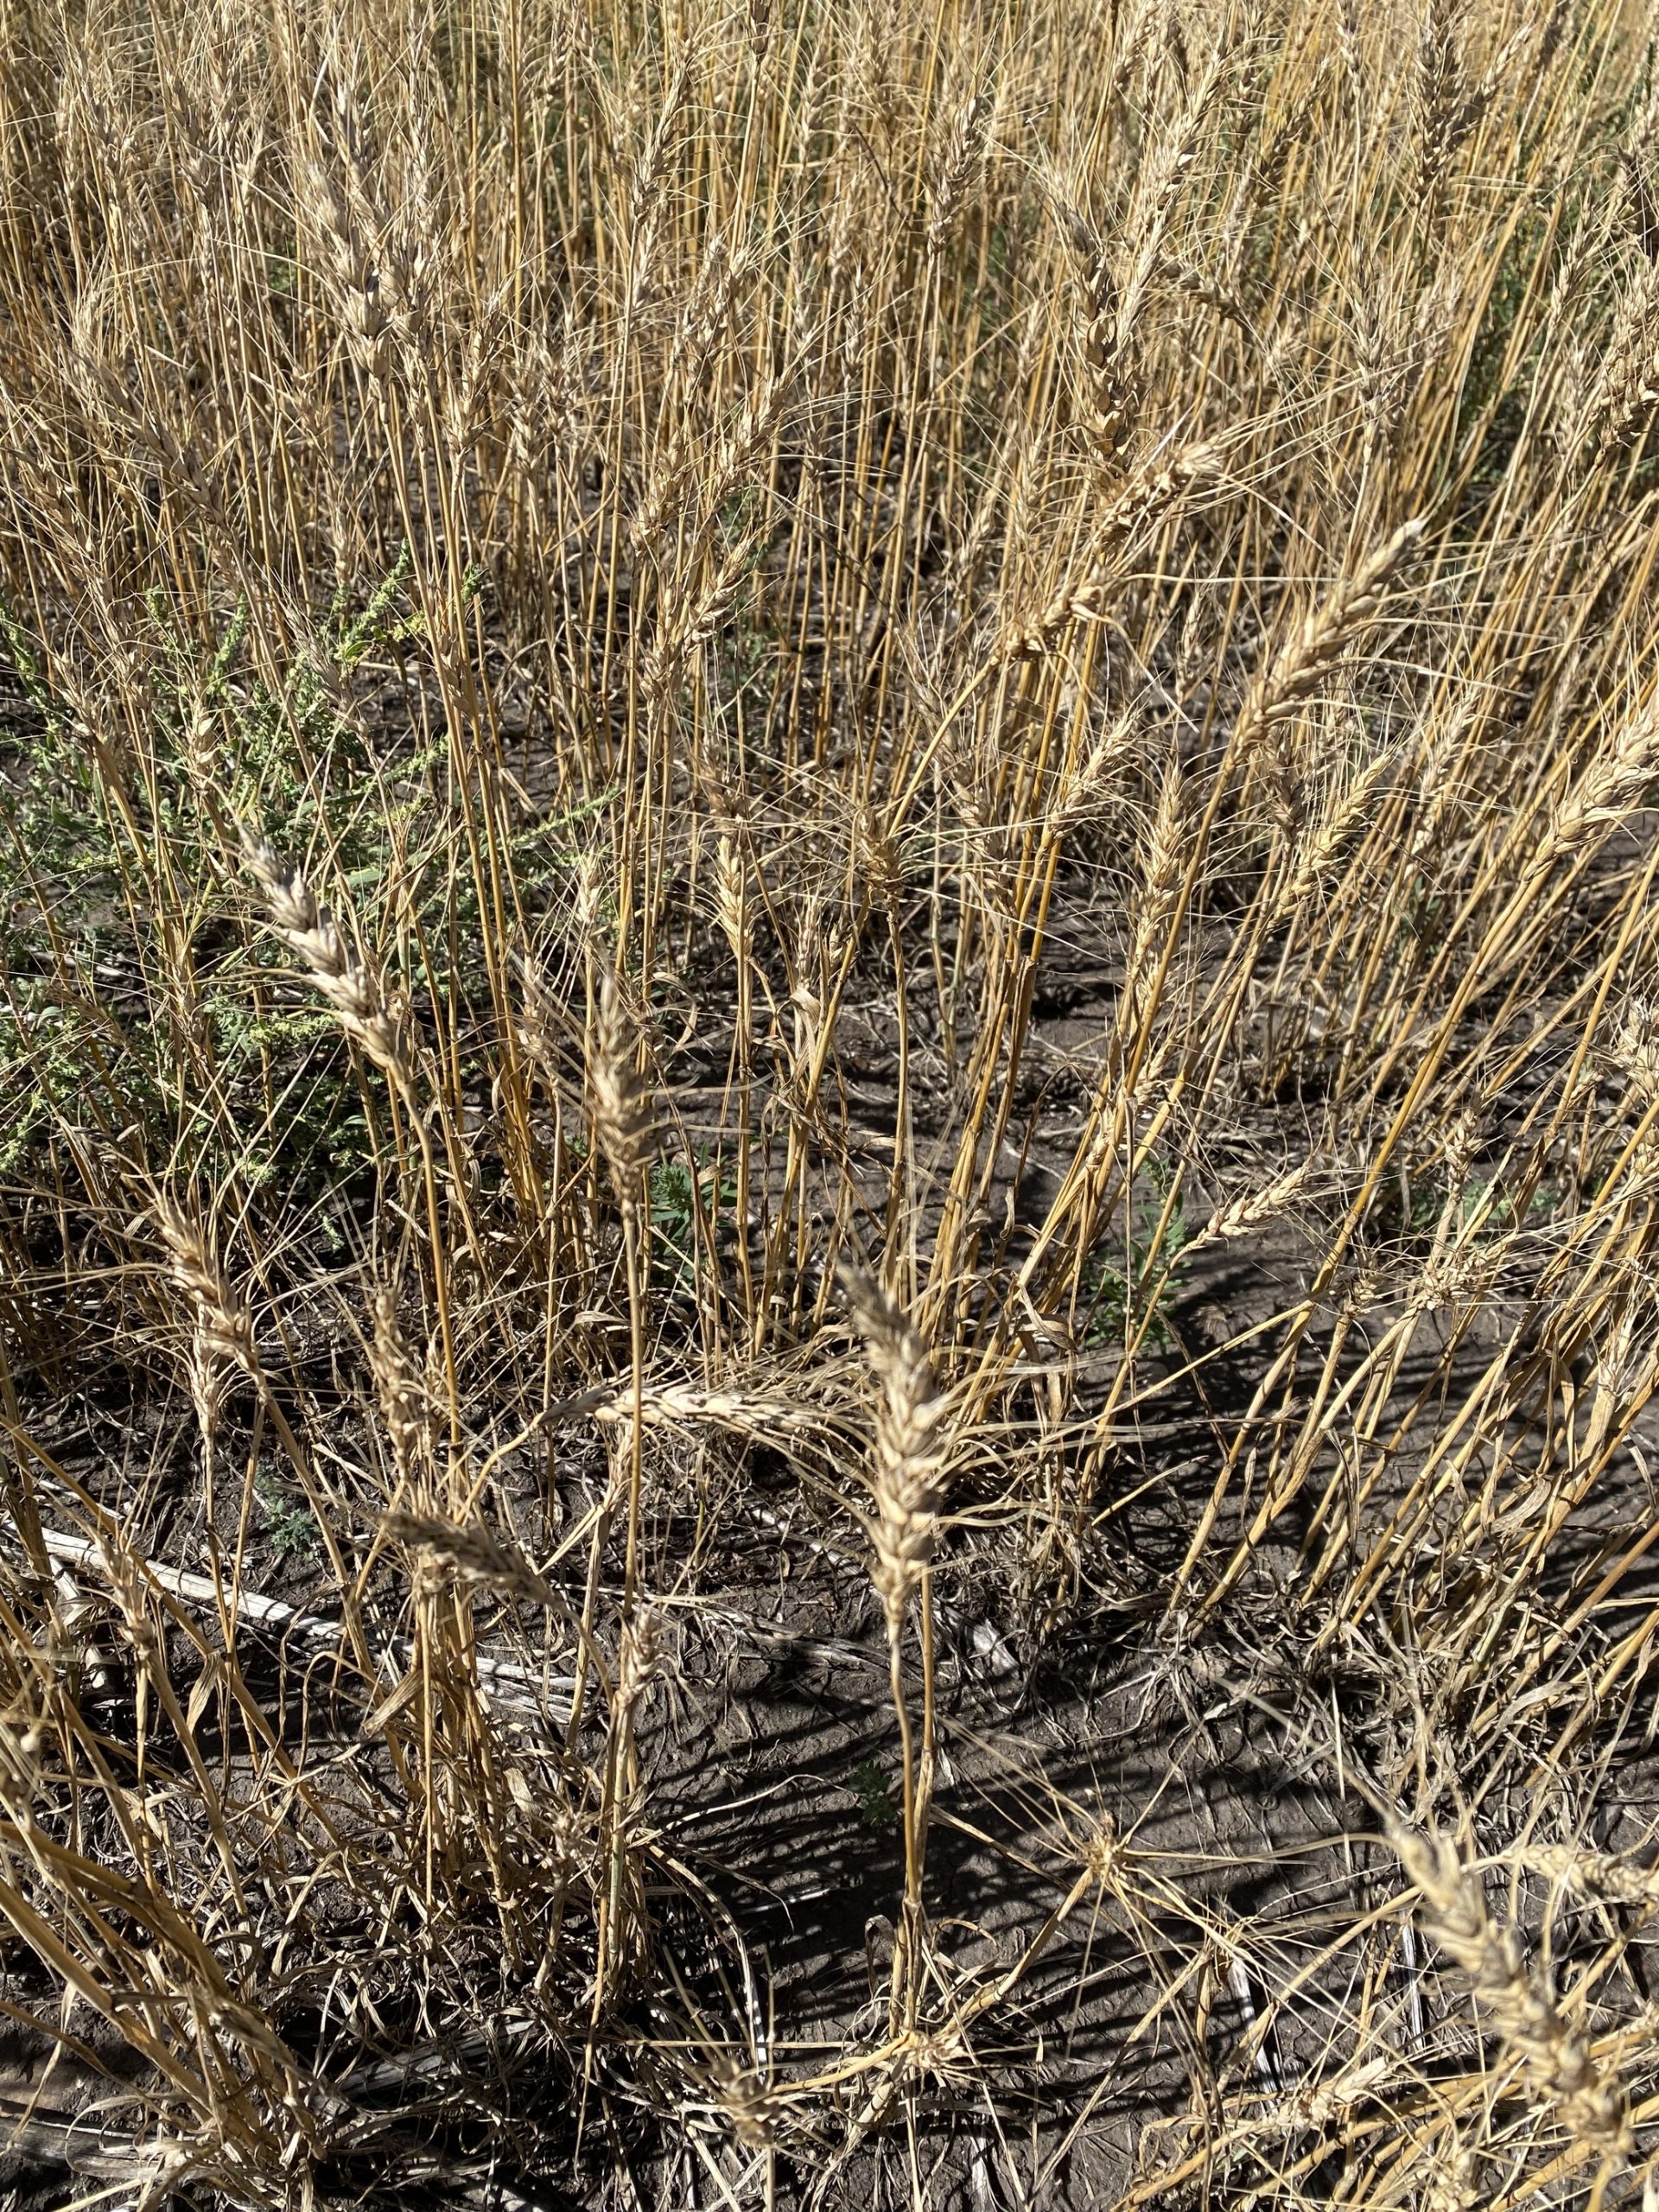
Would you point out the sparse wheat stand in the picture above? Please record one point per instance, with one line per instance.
(828, 1101)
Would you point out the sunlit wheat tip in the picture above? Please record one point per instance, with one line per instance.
(351, 985)
(224, 1323)
(1491, 1959)
(619, 1094)
(911, 1439)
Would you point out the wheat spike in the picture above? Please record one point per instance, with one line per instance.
(964, 151)
(351, 985)
(1252, 1209)
(406, 1407)
(1491, 1959)
(1599, 1876)
(1330, 631)
(463, 1552)
(1617, 783)
(224, 1323)
(911, 1440)
(624, 1120)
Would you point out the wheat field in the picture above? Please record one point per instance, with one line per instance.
(829, 1104)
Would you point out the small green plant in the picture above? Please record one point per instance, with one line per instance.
(1116, 1282)
(287, 1521)
(872, 1792)
(177, 1019)
(1496, 1212)
(677, 1196)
